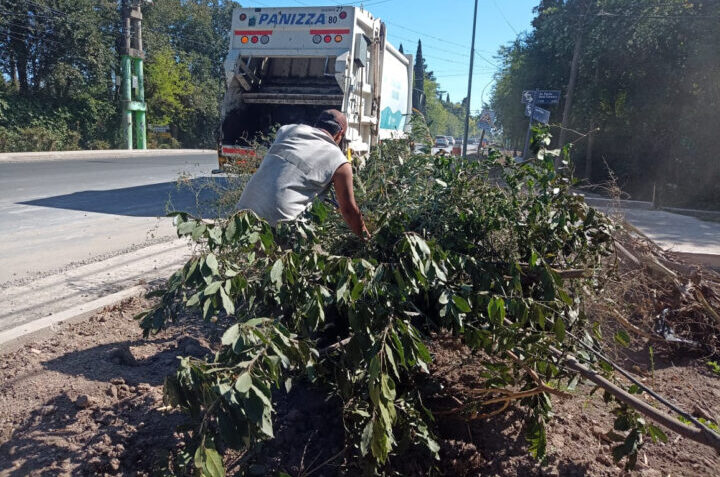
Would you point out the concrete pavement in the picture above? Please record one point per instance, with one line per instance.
(696, 240)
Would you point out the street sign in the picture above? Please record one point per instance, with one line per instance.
(540, 115)
(542, 96)
(160, 129)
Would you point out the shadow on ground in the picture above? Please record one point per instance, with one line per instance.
(198, 196)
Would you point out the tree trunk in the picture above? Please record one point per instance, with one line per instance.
(14, 73)
(21, 65)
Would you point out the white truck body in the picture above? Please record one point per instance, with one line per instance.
(285, 65)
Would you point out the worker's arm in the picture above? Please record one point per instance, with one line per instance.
(343, 181)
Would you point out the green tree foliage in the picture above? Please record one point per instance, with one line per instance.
(308, 301)
(59, 60)
(647, 81)
(443, 117)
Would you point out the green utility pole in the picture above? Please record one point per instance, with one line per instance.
(131, 65)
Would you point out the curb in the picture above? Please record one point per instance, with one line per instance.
(15, 157)
(15, 338)
(622, 204)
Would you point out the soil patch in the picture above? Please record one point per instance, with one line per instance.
(88, 401)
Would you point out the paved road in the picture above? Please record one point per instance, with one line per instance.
(61, 212)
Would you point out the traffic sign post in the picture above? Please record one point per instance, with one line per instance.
(531, 106)
(531, 99)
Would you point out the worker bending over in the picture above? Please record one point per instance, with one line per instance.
(299, 166)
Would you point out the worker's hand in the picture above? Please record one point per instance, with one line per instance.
(343, 182)
(366, 234)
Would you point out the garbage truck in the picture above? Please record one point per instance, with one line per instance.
(285, 65)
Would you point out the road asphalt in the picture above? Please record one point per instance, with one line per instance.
(56, 213)
(77, 229)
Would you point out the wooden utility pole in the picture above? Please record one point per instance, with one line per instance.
(589, 151)
(571, 86)
(467, 110)
(573, 76)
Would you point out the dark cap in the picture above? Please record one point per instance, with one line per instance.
(333, 121)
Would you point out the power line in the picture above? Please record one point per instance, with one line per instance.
(456, 53)
(505, 18)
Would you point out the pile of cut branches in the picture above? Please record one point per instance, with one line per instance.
(658, 297)
(502, 269)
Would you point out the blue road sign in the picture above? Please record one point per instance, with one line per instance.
(540, 115)
(542, 96)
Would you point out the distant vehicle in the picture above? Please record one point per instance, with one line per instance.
(442, 146)
(285, 65)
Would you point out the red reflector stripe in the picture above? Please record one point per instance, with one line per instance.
(329, 32)
(253, 32)
(237, 150)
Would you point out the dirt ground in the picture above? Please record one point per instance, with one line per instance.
(88, 401)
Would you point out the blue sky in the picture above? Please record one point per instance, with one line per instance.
(444, 26)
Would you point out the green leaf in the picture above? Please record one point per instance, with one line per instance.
(209, 462)
(231, 335)
(194, 300)
(380, 444)
(230, 230)
(276, 273)
(388, 387)
(656, 434)
(391, 359)
(206, 308)
(212, 288)
(534, 258)
(198, 231)
(244, 383)
(227, 302)
(186, 228)
(559, 328)
(622, 338)
(444, 298)
(496, 310)
(356, 291)
(366, 438)
(215, 235)
(461, 304)
(538, 439)
(212, 263)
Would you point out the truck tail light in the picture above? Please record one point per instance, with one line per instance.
(244, 40)
(242, 17)
(317, 39)
(338, 38)
(254, 39)
(328, 38)
(343, 15)
(264, 39)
